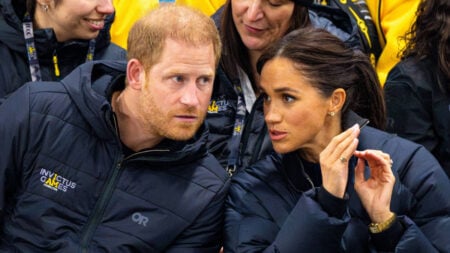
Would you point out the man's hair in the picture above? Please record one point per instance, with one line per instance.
(147, 37)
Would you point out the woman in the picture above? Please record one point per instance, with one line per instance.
(418, 88)
(247, 28)
(338, 186)
(46, 39)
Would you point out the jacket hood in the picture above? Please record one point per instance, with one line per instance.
(11, 31)
(90, 86)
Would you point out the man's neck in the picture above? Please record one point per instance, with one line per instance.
(131, 130)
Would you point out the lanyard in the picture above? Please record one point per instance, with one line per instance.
(35, 69)
(237, 131)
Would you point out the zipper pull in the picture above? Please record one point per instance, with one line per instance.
(55, 64)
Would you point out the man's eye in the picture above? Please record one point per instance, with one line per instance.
(205, 80)
(178, 79)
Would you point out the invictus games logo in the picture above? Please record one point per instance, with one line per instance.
(217, 106)
(56, 182)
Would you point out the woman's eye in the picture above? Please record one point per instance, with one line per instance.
(275, 3)
(288, 98)
(265, 97)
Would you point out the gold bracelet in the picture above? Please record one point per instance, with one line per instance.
(382, 226)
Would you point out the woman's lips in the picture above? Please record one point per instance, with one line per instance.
(277, 135)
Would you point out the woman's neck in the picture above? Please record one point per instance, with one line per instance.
(254, 56)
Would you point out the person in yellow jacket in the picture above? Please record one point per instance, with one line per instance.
(127, 12)
(392, 18)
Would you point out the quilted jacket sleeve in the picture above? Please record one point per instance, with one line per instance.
(14, 124)
(422, 200)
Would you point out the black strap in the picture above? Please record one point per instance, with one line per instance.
(35, 68)
(359, 13)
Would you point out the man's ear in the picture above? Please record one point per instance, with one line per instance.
(337, 100)
(135, 74)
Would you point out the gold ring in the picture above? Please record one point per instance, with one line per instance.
(343, 159)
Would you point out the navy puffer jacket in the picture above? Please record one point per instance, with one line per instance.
(66, 185)
(272, 207)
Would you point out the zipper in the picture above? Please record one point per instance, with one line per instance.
(308, 178)
(100, 206)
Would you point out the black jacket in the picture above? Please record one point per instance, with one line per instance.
(67, 185)
(272, 207)
(418, 109)
(14, 65)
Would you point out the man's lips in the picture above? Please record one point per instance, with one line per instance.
(187, 118)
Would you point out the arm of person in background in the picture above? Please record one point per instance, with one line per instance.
(408, 115)
(393, 19)
(206, 6)
(14, 127)
(126, 14)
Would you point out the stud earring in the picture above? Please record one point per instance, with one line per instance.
(331, 114)
(45, 7)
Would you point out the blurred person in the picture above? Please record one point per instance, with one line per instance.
(112, 158)
(337, 185)
(418, 88)
(44, 40)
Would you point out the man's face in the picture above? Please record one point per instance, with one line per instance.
(177, 89)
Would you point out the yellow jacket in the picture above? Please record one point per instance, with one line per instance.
(127, 12)
(393, 19)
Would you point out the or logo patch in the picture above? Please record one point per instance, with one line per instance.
(56, 182)
(139, 219)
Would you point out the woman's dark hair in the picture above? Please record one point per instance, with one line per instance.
(234, 52)
(429, 36)
(328, 64)
(31, 6)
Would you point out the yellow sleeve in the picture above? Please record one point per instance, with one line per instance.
(206, 6)
(393, 19)
(127, 12)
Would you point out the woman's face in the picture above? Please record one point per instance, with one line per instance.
(295, 111)
(75, 19)
(261, 22)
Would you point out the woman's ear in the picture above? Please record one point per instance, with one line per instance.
(43, 2)
(135, 74)
(337, 100)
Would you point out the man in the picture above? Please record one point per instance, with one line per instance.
(113, 158)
